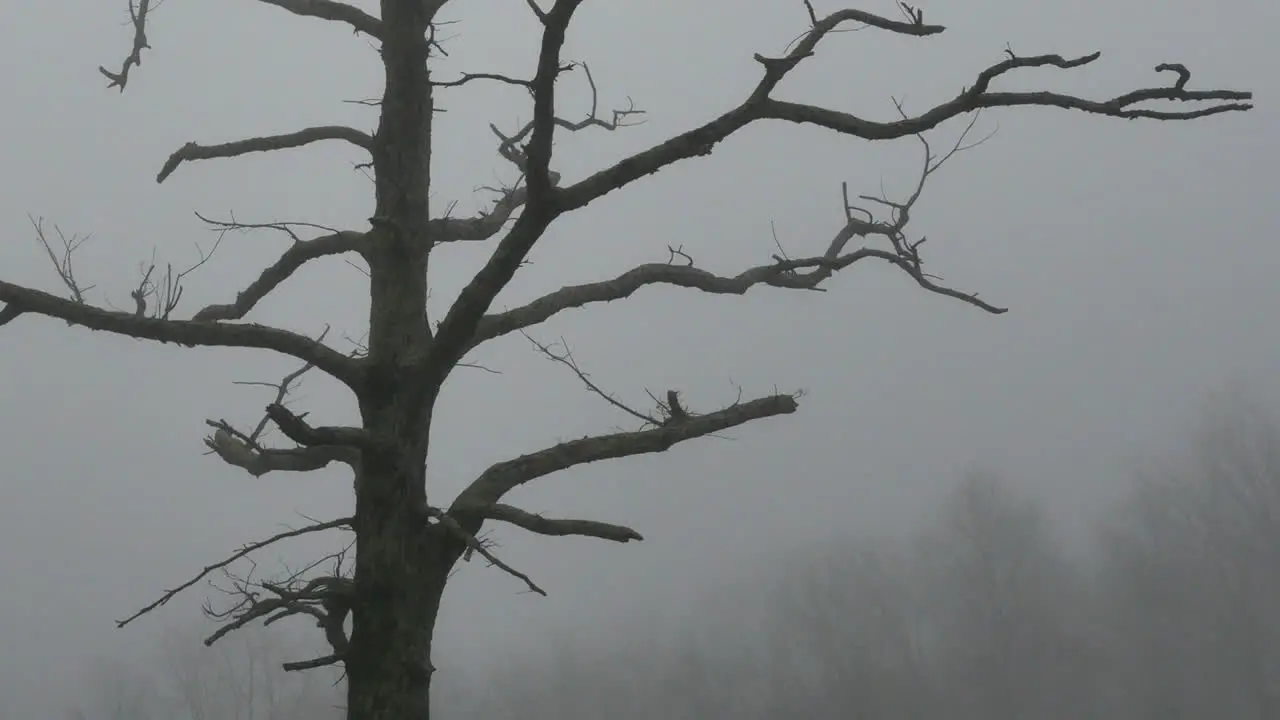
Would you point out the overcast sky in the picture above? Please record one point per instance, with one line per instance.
(1138, 259)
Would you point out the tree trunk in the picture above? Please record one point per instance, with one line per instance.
(402, 562)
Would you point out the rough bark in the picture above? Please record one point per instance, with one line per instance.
(401, 562)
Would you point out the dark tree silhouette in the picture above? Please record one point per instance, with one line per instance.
(406, 539)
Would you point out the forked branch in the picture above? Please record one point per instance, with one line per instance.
(540, 209)
(803, 273)
(242, 553)
(759, 105)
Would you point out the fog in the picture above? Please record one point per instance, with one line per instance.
(1137, 259)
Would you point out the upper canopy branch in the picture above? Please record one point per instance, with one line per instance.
(322, 9)
(193, 151)
(805, 273)
(759, 105)
(190, 333)
(501, 478)
(460, 321)
(334, 11)
(488, 224)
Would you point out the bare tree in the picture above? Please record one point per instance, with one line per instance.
(408, 540)
(1191, 572)
(1004, 626)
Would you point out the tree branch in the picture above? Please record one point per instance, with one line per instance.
(460, 322)
(760, 106)
(333, 11)
(300, 253)
(475, 545)
(322, 9)
(548, 526)
(243, 552)
(297, 430)
(806, 273)
(190, 333)
(192, 151)
(499, 479)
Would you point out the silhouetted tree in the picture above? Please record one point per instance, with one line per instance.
(408, 539)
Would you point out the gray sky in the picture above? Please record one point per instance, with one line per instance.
(1138, 259)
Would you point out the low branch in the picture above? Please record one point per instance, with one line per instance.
(282, 269)
(312, 664)
(558, 527)
(189, 333)
(333, 11)
(238, 555)
(193, 151)
(499, 479)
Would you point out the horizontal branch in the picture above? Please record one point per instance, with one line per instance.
(559, 527)
(190, 333)
(334, 11)
(282, 269)
(796, 274)
(193, 151)
(501, 478)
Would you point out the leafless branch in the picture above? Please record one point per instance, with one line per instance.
(502, 477)
(167, 291)
(246, 451)
(190, 333)
(805, 273)
(566, 358)
(62, 259)
(334, 11)
(547, 526)
(243, 552)
(192, 151)
(759, 105)
(488, 224)
(460, 321)
(138, 20)
(474, 544)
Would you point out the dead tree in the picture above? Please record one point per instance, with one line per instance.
(407, 540)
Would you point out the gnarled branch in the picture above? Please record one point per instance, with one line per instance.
(760, 106)
(501, 478)
(548, 526)
(193, 151)
(189, 333)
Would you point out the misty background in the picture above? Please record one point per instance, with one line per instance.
(1137, 259)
